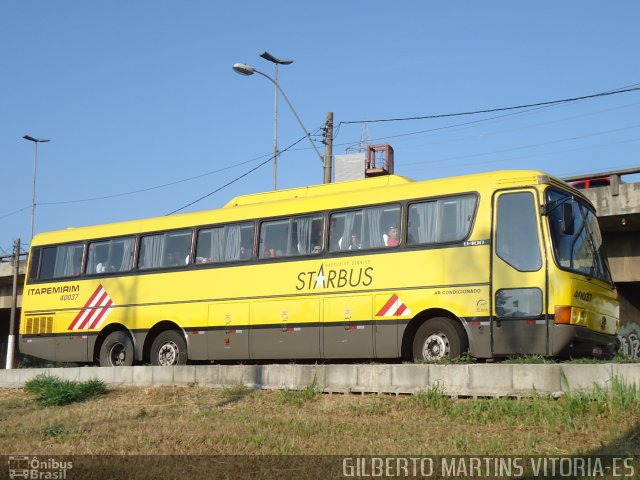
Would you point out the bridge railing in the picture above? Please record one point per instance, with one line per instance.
(614, 175)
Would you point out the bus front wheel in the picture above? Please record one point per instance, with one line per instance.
(169, 348)
(116, 350)
(439, 338)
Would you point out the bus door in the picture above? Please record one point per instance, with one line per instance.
(518, 323)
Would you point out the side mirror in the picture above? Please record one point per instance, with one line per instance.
(567, 219)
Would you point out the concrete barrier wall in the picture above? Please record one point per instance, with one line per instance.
(482, 380)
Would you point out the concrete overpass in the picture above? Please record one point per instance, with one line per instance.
(6, 298)
(618, 208)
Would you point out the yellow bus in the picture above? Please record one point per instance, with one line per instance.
(493, 264)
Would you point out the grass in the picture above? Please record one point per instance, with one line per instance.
(300, 397)
(239, 421)
(50, 390)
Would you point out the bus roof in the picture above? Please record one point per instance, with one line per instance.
(318, 190)
(380, 189)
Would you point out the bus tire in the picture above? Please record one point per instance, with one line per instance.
(169, 348)
(439, 338)
(116, 350)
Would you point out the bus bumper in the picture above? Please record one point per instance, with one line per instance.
(575, 341)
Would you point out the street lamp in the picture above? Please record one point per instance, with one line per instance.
(247, 70)
(35, 141)
(277, 61)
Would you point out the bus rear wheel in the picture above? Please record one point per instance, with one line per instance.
(437, 339)
(169, 348)
(116, 350)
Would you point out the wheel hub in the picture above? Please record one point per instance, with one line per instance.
(168, 354)
(117, 355)
(436, 346)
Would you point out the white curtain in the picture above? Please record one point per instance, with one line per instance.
(464, 213)
(232, 243)
(427, 215)
(68, 261)
(152, 250)
(373, 231)
(303, 231)
(127, 255)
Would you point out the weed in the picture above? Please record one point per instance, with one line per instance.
(299, 397)
(53, 431)
(258, 440)
(54, 391)
(621, 357)
(434, 397)
(528, 359)
(142, 413)
(464, 358)
(380, 405)
(238, 390)
(13, 403)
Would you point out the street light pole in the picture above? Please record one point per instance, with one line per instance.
(247, 70)
(35, 141)
(277, 61)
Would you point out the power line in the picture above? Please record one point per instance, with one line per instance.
(14, 212)
(432, 165)
(446, 127)
(235, 179)
(522, 147)
(104, 197)
(524, 127)
(501, 109)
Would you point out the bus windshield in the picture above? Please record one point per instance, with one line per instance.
(579, 250)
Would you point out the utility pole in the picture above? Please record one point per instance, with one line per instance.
(328, 149)
(14, 305)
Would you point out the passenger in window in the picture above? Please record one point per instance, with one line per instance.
(391, 238)
(244, 252)
(173, 259)
(355, 243)
(270, 252)
(102, 266)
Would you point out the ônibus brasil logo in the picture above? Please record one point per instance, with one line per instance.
(36, 468)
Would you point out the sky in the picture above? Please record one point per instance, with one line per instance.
(146, 115)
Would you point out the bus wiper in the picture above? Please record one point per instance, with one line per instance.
(605, 264)
(549, 207)
(595, 252)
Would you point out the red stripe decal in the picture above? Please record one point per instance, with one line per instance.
(401, 309)
(95, 310)
(84, 309)
(101, 313)
(387, 305)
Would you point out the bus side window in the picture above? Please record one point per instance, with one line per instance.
(442, 220)
(34, 267)
(363, 229)
(225, 244)
(115, 255)
(165, 250)
(291, 237)
(61, 261)
(343, 227)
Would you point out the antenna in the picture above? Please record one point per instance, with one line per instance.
(365, 140)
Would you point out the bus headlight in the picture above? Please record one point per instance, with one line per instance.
(570, 315)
